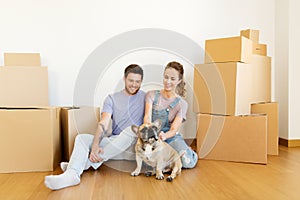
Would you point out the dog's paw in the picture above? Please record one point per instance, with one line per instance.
(167, 171)
(160, 177)
(169, 179)
(148, 173)
(135, 173)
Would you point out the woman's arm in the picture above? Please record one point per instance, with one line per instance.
(148, 113)
(177, 122)
(175, 126)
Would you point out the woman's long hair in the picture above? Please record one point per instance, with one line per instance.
(180, 89)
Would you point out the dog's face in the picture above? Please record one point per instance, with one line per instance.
(147, 133)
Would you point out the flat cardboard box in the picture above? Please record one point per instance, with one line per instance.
(260, 49)
(22, 59)
(271, 110)
(232, 49)
(232, 138)
(29, 139)
(76, 120)
(23, 86)
(230, 88)
(251, 34)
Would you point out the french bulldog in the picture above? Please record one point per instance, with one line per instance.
(155, 152)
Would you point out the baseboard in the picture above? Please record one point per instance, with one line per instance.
(289, 143)
(282, 141)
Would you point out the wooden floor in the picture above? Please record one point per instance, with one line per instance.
(279, 179)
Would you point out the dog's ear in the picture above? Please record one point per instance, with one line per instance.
(157, 123)
(134, 128)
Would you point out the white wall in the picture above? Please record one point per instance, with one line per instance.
(294, 69)
(287, 69)
(65, 32)
(282, 65)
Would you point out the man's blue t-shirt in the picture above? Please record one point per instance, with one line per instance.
(125, 110)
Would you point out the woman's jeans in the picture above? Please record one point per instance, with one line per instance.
(189, 158)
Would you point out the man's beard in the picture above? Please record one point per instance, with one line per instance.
(130, 92)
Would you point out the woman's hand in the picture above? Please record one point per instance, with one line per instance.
(162, 136)
(94, 155)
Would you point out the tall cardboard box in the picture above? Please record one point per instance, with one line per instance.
(271, 110)
(22, 59)
(232, 49)
(29, 139)
(23, 86)
(251, 34)
(76, 120)
(230, 88)
(232, 138)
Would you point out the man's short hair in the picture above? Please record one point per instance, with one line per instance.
(133, 68)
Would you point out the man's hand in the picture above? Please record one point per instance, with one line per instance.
(94, 155)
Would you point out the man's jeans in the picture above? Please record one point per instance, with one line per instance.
(114, 147)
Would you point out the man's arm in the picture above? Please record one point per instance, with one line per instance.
(103, 124)
(148, 113)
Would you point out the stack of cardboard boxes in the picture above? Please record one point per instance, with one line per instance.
(236, 119)
(33, 135)
(29, 128)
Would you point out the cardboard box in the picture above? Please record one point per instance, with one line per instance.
(232, 138)
(76, 120)
(230, 88)
(23, 86)
(271, 110)
(29, 139)
(251, 34)
(260, 49)
(22, 59)
(232, 49)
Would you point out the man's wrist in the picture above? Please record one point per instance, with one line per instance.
(102, 126)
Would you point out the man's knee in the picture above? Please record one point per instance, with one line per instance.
(84, 138)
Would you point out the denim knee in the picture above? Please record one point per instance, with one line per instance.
(189, 159)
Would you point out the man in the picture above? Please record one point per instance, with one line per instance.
(125, 108)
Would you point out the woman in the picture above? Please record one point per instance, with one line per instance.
(168, 106)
